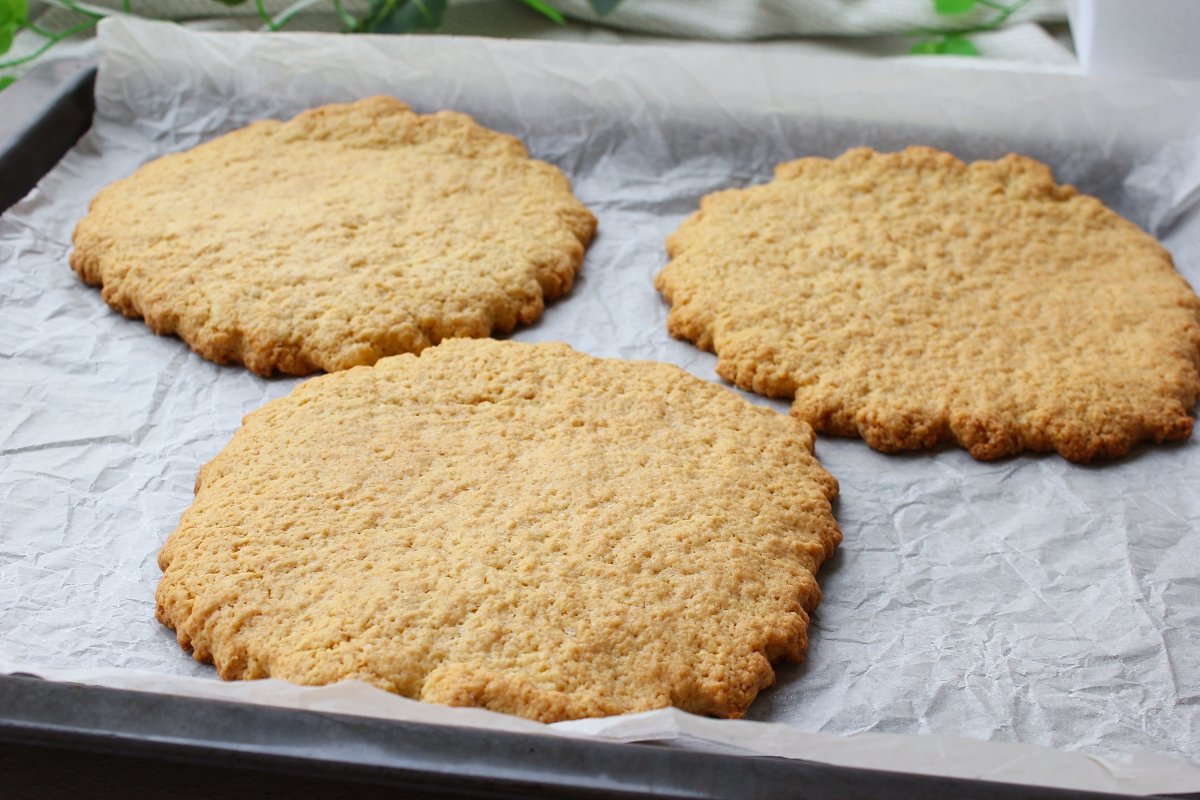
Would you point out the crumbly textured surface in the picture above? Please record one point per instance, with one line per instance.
(909, 298)
(346, 234)
(519, 527)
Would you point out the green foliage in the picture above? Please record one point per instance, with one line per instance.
(411, 16)
(14, 11)
(954, 41)
(545, 9)
(14, 15)
(949, 45)
(7, 31)
(415, 16)
(954, 45)
(384, 16)
(402, 16)
(951, 7)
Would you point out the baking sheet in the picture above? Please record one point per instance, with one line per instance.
(1025, 601)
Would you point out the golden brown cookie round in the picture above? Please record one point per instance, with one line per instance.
(519, 527)
(346, 234)
(909, 298)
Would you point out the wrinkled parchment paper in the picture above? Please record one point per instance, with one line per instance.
(1027, 601)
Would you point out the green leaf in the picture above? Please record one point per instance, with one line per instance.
(955, 45)
(545, 9)
(404, 16)
(951, 7)
(6, 81)
(952, 44)
(7, 31)
(14, 11)
(431, 11)
(349, 23)
(604, 7)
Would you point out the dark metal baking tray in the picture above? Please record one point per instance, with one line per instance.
(235, 745)
(68, 740)
(41, 117)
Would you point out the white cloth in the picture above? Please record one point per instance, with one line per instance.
(755, 19)
(868, 28)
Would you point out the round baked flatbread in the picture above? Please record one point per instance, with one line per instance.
(909, 298)
(518, 527)
(346, 234)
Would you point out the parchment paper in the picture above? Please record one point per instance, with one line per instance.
(1026, 601)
